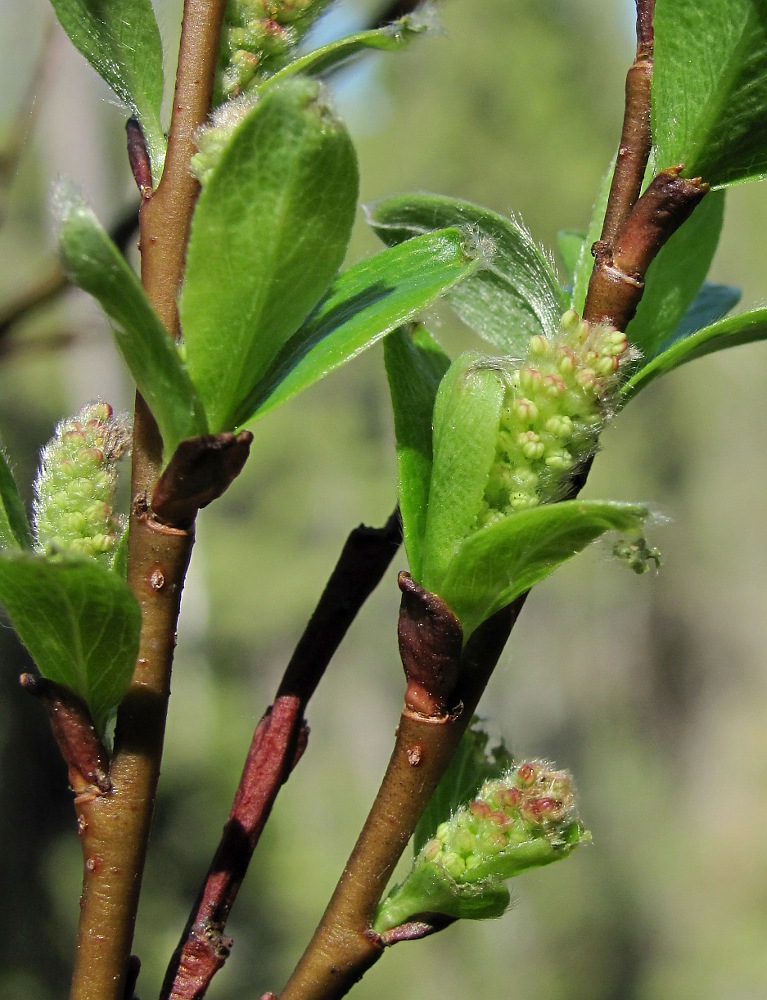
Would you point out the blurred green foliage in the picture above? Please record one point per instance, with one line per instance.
(650, 689)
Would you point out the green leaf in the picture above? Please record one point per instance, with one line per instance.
(268, 235)
(95, 264)
(466, 415)
(15, 532)
(364, 303)
(79, 621)
(503, 560)
(415, 365)
(710, 88)
(122, 42)
(390, 38)
(514, 296)
(745, 328)
(472, 764)
(570, 245)
(676, 275)
(712, 302)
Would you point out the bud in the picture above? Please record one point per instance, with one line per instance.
(562, 391)
(525, 819)
(76, 484)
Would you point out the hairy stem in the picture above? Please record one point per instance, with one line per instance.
(115, 827)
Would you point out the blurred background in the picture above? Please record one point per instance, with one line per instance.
(652, 690)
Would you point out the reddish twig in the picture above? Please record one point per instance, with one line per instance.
(277, 745)
(72, 726)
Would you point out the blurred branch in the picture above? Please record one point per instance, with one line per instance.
(393, 11)
(277, 745)
(55, 281)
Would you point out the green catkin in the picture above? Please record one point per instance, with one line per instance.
(258, 37)
(530, 803)
(557, 401)
(76, 484)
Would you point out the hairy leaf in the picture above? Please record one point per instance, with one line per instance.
(712, 303)
(122, 42)
(503, 560)
(710, 88)
(514, 296)
(268, 235)
(364, 303)
(95, 264)
(79, 621)
(415, 365)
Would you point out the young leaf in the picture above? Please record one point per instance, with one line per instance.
(390, 38)
(269, 233)
(466, 415)
(364, 303)
(122, 42)
(415, 365)
(14, 525)
(710, 88)
(95, 264)
(676, 275)
(503, 560)
(79, 621)
(745, 328)
(471, 766)
(514, 296)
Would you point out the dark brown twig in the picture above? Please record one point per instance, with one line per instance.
(276, 746)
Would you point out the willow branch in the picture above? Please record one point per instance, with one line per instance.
(277, 745)
(115, 828)
(344, 945)
(636, 138)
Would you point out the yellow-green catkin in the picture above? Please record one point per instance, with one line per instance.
(258, 37)
(557, 401)
(531, 804)
(76, 484)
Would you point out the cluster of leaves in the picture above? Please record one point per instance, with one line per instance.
(265, 311)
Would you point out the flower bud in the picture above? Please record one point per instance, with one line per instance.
(525, 819)
(76, 484)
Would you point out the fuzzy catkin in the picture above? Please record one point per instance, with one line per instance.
(557, 402)
(75, 487)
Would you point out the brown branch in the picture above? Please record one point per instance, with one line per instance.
(617, 282)
(636, 138)
(115, 828)
(276, 746)
(344, 946)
